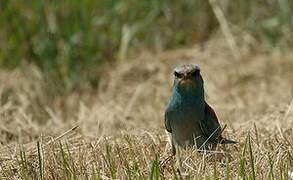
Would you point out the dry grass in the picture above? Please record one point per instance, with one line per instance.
(120, 132)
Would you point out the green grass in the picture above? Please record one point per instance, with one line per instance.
(72, 40)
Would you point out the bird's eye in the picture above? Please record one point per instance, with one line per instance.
(176, 74)
(194, 73)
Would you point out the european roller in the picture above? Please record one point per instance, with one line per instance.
(189, 119)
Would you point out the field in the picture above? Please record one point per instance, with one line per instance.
(116, 131)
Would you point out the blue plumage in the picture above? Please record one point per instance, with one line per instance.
(189, 119)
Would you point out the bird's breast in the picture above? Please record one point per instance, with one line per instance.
(185, 122)
(186, 119)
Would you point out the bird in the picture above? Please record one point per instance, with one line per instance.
(189, 119)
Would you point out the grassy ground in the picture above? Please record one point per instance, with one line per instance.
(117, 131)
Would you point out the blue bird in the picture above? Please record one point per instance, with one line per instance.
(188, 117)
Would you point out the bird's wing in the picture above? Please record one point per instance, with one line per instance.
(210, 124)
(167, 120)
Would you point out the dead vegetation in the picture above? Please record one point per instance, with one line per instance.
(120, 130)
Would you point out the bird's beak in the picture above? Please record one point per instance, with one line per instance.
(185, 81)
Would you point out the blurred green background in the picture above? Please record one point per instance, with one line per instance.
(71, 40)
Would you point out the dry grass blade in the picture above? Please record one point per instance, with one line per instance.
(120, 131)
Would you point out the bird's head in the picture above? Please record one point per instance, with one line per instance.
(188, 77)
